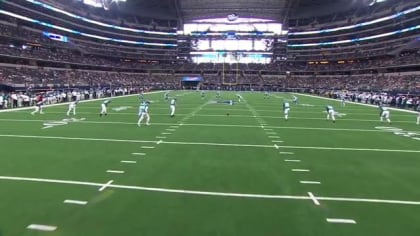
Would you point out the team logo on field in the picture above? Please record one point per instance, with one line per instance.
(121, 108)
(52, 124)
(400, 132)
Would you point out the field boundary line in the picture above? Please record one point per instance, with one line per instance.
(356, 103)
(208, 193)
(81, 101)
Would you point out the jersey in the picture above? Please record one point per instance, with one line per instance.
(382, 109)
(144, 108)
(286, 105)
(172, 102)
(40, 103)
(329, 108)
(106, 102)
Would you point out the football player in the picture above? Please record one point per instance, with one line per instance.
(104, 106)
(330, 113)
(72, 107)
(286, 109)
(172, 106)
(384, 114)
(144, 113)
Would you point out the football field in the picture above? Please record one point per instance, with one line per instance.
(213, 169)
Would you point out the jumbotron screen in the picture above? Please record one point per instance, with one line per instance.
(227, 40)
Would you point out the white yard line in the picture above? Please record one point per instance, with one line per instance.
(309, 182)
(341, 221)
(147, 147)
(313, 198)
(103, 186)
(76, 202)
(161, 137)
(139, 153)
(300, 170)
(129, 162)
(207, 193)
(115, 171)
(292, 160)
(273, 137)
(41, 227)
(38, 137)
(214, 125)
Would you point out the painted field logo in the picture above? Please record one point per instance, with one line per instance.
(52, 124)
(400, 132)
(121, 108)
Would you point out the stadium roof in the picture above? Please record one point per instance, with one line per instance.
(279, 10)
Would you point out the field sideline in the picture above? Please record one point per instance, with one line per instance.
(213, 169)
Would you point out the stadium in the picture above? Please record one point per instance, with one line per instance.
(198, 117)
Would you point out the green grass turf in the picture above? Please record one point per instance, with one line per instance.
(194, 157)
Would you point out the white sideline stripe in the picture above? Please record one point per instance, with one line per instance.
(115, 171)
(313, 198)
(147, 147)
(138, 153)
(292, 160)
(75, 202)
(286, 153)
(210, 144)
(310, 182)
(341, 221)
(67, 103)
(192, 192)
(129, 162)
(103, 186)
(165, 133)
(160, 136)
(273, 136)
(300, 170)
(361, 104)
(42, 227)
(277, 141)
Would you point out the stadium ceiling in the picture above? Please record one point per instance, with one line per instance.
(189, 10)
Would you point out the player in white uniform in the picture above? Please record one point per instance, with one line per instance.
(286, 109)
(104, 106)
(295, 100)
(384, 113)
(239, 97)
(38, 107)
(343, 100)
(172, 106)
(330, 113)
(72, 107)
(418, 115)
(143, 113)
